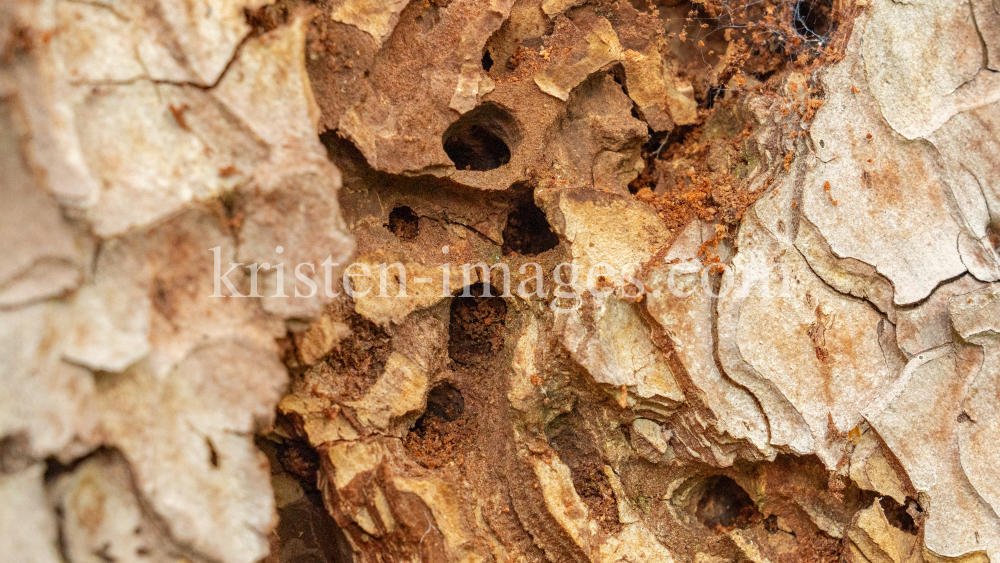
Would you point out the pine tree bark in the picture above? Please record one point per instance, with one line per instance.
(350, 280)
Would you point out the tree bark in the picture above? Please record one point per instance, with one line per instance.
(560, 280)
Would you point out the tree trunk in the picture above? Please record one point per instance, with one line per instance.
(561, 280)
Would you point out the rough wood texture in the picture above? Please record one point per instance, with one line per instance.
(781, 342)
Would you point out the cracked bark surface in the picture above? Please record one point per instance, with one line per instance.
(783, 344)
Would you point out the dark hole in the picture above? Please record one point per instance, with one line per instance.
(635, 185)
(445, 401)
(487, 61)
(713, 93)
(15, 453)
(442, 431)
(617, 73)
(812, 19)
(476, 331)
(725, 504)
(358, 361)
(481, 139)
(527, 231)
(306, 532)
(403, 223)
(635, 114)
(764, 76)
(664, 144)
(266, 18)
(300, 460)
(898, 515)
(477, 148)
(771, 524)
(231, 204)
(213, 456)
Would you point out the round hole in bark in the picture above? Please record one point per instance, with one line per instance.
(771, 524)
(445, 428)
(358, 361)
(403, 223)
(476, 329)
(812, 19)
(725, 504)
(527, 231)
(445, 401)
(482, 138)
